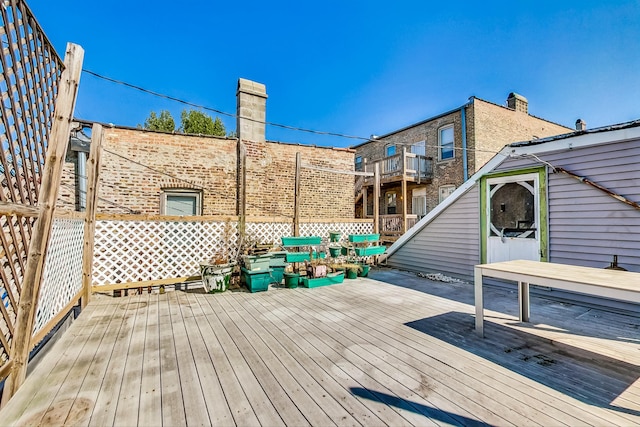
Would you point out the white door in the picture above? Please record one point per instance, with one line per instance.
(513, 218)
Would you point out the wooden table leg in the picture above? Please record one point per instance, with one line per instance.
(523, 298)
(477, 273)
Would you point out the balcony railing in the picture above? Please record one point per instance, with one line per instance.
(392, 224)
(409, 165)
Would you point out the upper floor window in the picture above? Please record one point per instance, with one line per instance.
(181, 202)
(389, 150)
(445, 143)
(445, 191)
(358, 163)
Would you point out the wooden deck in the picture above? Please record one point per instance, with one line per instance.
(365, 352)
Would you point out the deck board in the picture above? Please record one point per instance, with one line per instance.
(364, 352)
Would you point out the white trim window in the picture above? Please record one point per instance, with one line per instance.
(419, 202)
(181, 202)
(445, 191)
(445, 143)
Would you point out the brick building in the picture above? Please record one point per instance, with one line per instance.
(422, 164)
(149, 172)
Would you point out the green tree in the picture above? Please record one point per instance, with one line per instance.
(164, 122)
(194, 121)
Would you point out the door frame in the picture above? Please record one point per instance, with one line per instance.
(542, 208)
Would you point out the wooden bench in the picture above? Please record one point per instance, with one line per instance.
(615, 284)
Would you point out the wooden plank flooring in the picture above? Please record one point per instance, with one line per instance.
(400, 350)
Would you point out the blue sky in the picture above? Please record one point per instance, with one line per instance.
(354, 67)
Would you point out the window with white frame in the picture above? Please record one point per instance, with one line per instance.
(445, 143)
(181, 202)
(390, 150)
(419, 202)
(445, 191)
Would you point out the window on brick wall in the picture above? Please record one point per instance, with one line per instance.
(358, 163)
(446, 191)
(445, 143)
(181, 202)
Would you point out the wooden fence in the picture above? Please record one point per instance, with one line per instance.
(132, 251)
(38, 96)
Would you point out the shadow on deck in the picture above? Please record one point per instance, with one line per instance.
(590, 377)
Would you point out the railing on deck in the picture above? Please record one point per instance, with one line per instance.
(393, 224)
(130, 249)
(410, 165)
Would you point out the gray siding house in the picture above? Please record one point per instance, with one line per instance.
(570, 199)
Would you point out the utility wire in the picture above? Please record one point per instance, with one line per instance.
(224, 113)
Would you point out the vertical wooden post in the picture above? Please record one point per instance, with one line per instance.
(404, 204)
(93, 172)
(376, 198)
(365, 202)
(51, 175)
(296, 200)
(242, 193)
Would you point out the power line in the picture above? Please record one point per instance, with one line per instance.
(224, 113)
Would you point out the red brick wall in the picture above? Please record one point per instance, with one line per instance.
(271, 181)
(161, 161)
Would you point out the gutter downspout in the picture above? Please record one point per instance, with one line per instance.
(463, 114)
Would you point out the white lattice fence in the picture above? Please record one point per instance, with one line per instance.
(268, 232)
(62, 278)
(322, 229)
(127, 251)
(132, 251)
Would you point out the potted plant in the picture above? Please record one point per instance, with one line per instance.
(352, 270)
(216, 274)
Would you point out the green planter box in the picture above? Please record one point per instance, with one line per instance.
(256, 281)
(291, 280)
(371, 250)
(303, 256)
(278, 258)
(277, 273)
(331, 279)
(257, 262)
(361, 238)
(301, 241)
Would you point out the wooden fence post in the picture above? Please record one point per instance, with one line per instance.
(93, 177)
(376, 198)
(49, 189)
(296, 199)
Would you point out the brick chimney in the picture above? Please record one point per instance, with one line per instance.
(581, 124)
(251, 110)
(518, 103)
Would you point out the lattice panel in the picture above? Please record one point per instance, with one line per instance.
(13, 259)
(268, 233)
(62, 277)
(30, 72)
(132, 251)
(322, 229)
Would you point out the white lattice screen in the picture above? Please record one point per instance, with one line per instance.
(135, 250)
(322, 229)
(62, 278)
(268, 232)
